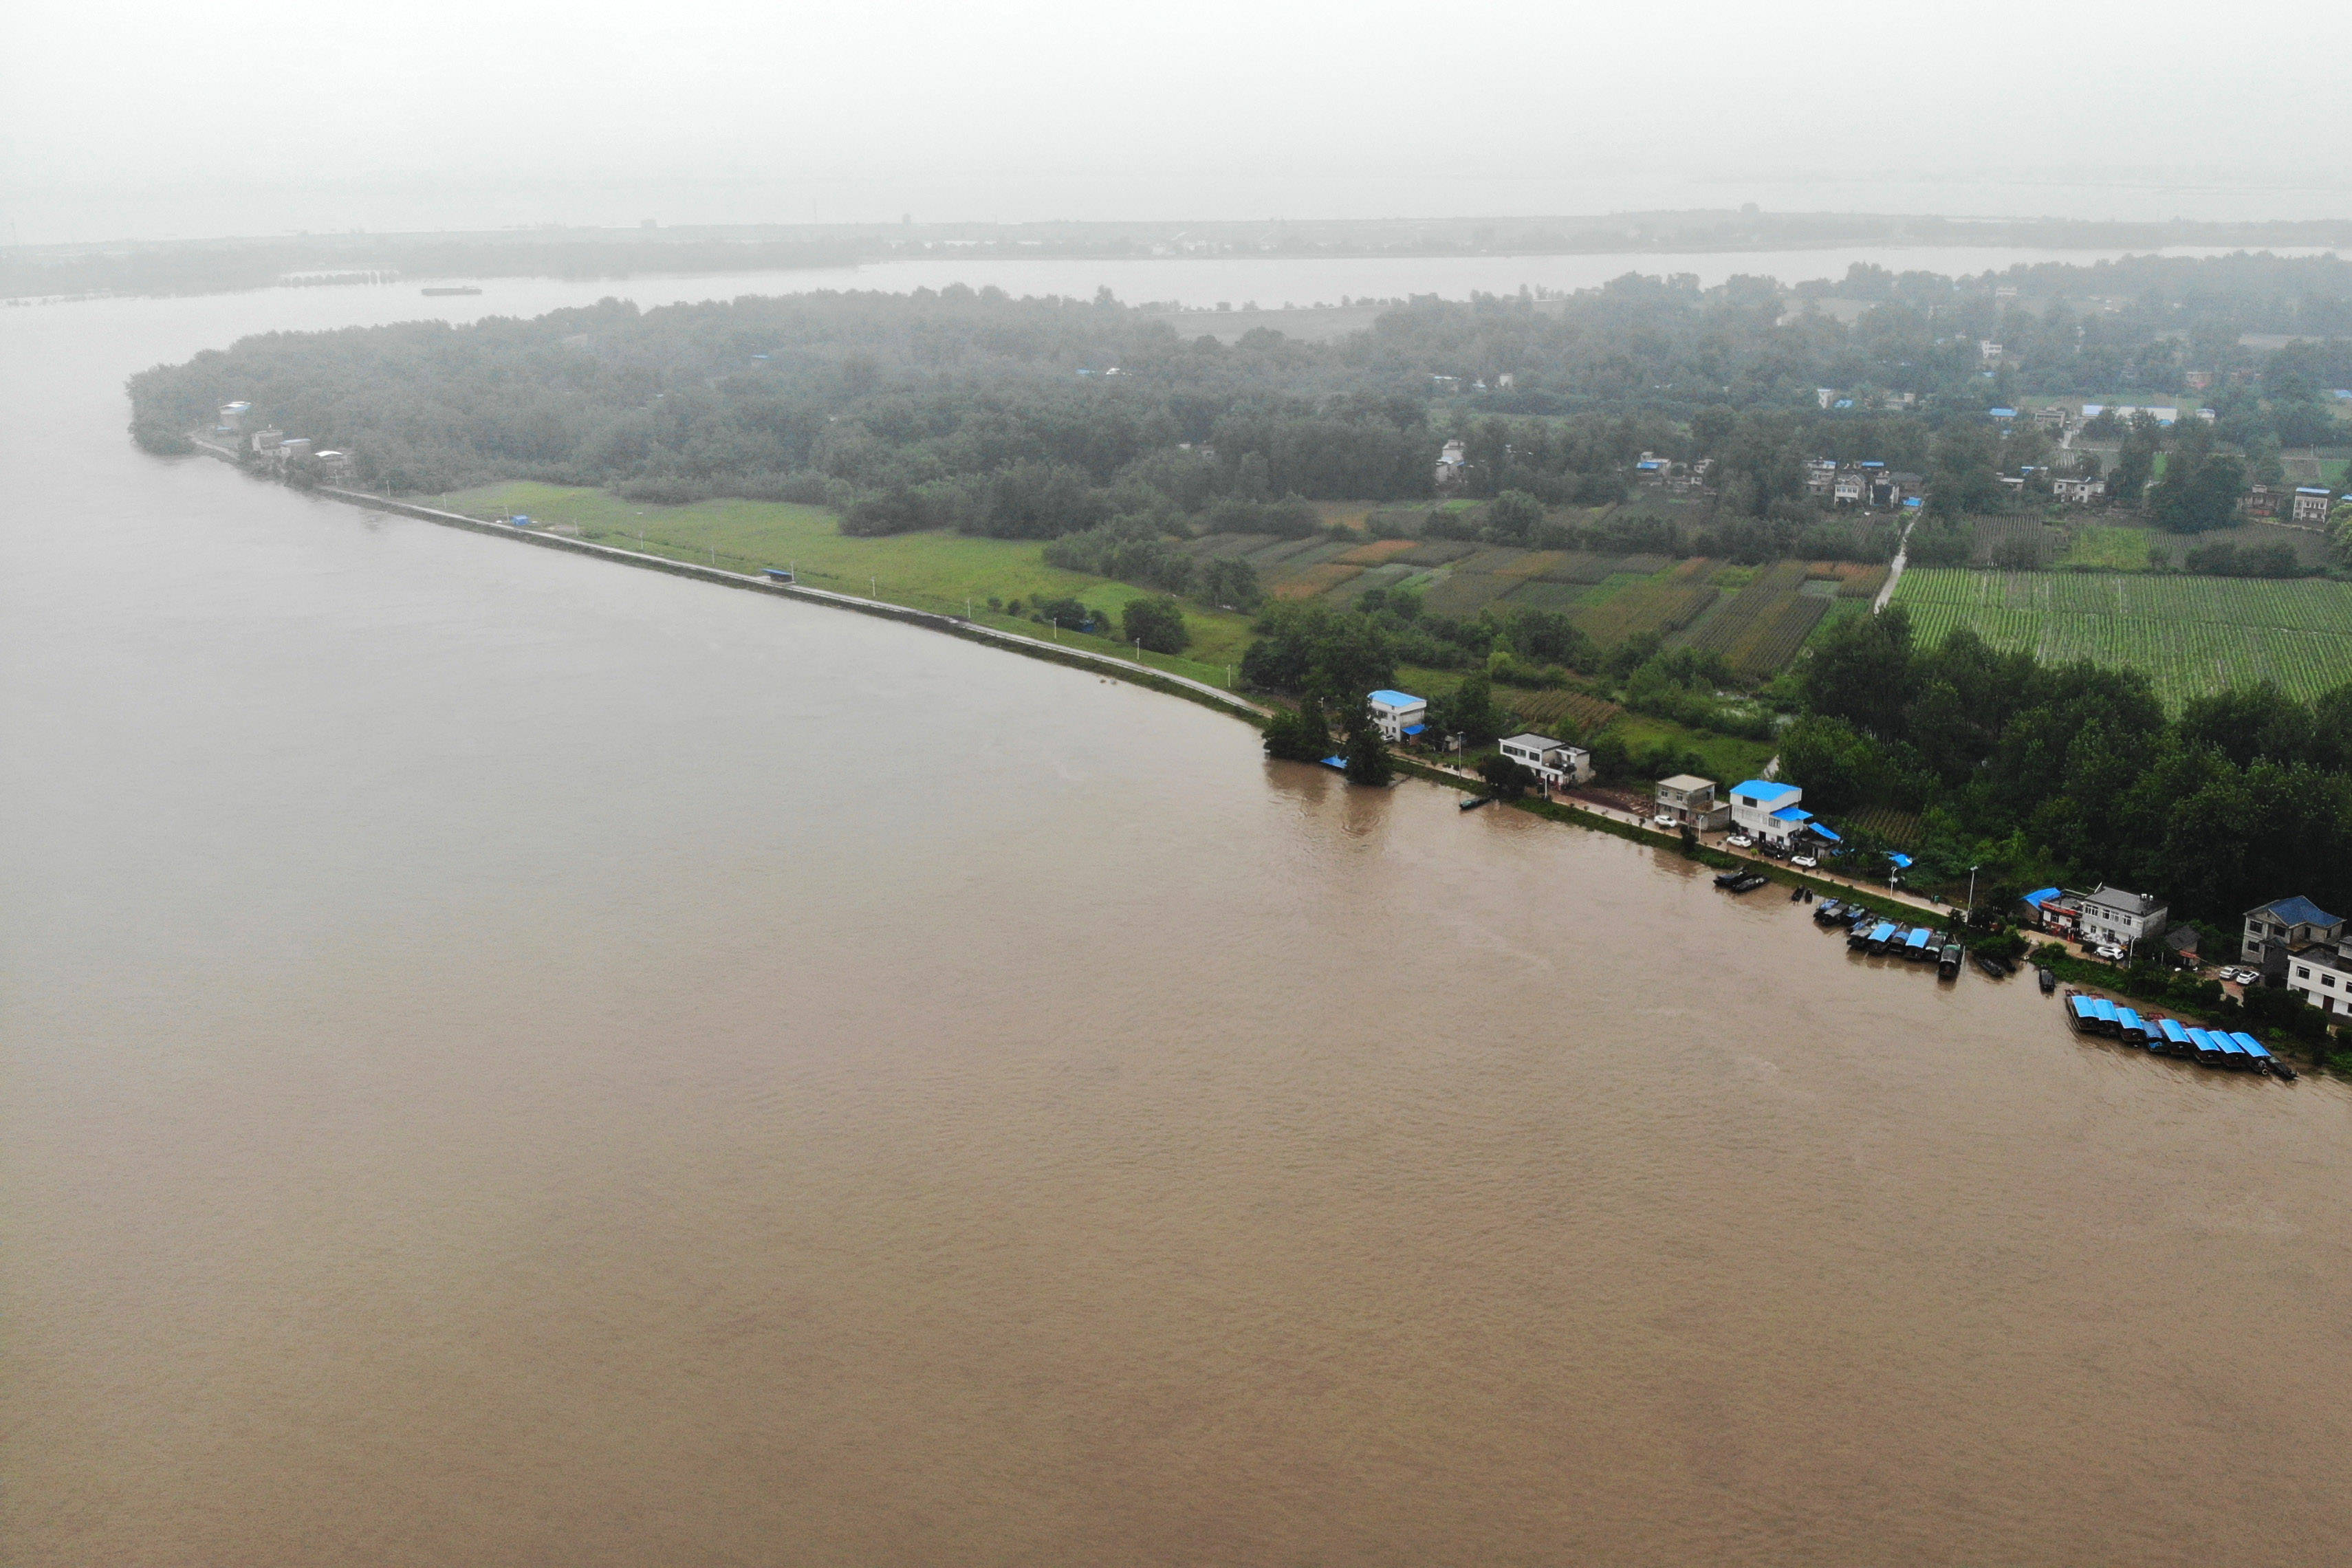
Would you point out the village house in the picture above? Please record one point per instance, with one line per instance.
(2049, 416)
(1847, 489)
(265, 442)
(2120, 917)
(2261, 501)
(1768, 810)
(1987, 351)
(2275, 932)
(1557, 764)
(2311, 504)
(1452, 463)
(1896, 489)
(1688, 798)
(2055, 910)
(337, 468)
(1821, 476)
(2079, 492)
(2322, 976)
(1399, 715)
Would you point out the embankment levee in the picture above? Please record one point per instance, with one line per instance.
(955, 625)
(1076, 658)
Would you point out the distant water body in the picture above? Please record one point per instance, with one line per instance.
(507, 1059)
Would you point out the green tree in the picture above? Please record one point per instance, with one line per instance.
(1157, 622)
(1506, 779)
(1368, 757)
(1471, 710)
(1511, 517)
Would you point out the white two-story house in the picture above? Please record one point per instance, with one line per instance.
(1686, 797)
(1399, 715)
(1556, 762)
(2117, 916)
(1755, 805)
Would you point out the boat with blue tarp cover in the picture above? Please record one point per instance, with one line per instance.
(2103, 1016)
(1872, 939)
(2176, 1039)
(2252, 1047)
(1914, 946)
(2135, 1031)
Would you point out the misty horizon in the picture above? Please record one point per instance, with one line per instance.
(444, 118)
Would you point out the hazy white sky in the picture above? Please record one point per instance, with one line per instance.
(131, 118)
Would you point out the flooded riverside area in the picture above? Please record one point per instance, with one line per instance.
(512, 1060)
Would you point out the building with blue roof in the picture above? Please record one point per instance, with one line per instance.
(1397, 714)
(1754, 802)
(2282, 928)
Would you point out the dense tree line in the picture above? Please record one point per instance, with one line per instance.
(1038, 417)
(2046, 773)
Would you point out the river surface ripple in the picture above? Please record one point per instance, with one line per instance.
(511, 1060)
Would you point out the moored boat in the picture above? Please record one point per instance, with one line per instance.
(1947, 966)
(2048, 981)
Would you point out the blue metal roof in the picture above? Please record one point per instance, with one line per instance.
(1827, 834)
(2173, 1031)
(2251, 1046)
(2105, 1009)
(1763, 790)
(1792, 813)
(2296, 912)
(1394, 699)
(1414, 729)
(2082, 1008)
(2039, 895)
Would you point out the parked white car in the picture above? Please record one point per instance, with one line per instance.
(1664, 819)
(1807, 861)
(1740, 841)
(2108, 951)
(2243, 976)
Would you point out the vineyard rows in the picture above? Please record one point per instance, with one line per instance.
(2193, 635)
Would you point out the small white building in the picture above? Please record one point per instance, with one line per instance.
(1557, 763)
(265, 442)
(2079, 492)
(1755, 805)
(2322, 976)
(1452, 462)
(1686, 797)
(2118, 916)
(1399, 715)
(2311, 504)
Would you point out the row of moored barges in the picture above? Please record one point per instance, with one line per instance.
(1866, 932)
(2089, 1015)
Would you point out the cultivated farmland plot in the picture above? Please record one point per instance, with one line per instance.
(2192, 635)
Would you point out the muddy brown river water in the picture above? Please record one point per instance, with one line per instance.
(508, 1059)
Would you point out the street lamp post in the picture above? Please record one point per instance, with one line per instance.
(1973, 895)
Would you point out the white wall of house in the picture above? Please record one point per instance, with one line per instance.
(2104, 918)
(1751, 812)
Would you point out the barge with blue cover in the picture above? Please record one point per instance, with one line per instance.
(2232, 1048)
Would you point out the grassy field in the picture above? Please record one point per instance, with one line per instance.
(2192, 634)
(2105, 547)
(1727, 758)
(935, 572)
